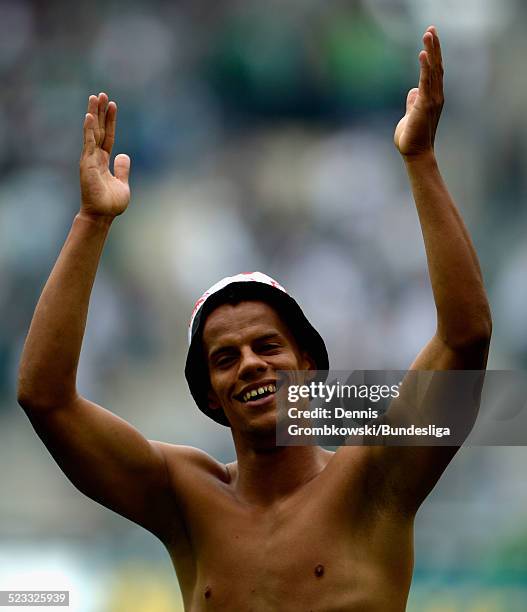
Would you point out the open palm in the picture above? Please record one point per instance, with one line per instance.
(102, 192)
(415, 132)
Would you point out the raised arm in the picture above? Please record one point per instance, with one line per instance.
(105, 457)
(463, 330)
(462, 336)
(463, 314)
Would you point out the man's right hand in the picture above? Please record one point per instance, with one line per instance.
(103, 194)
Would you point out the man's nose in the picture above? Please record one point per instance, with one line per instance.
(251, 363)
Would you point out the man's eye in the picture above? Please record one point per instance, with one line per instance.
(224, 361)
(270, 346)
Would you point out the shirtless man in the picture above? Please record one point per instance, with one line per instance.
(282, 528)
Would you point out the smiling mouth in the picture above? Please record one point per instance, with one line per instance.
(258, 393)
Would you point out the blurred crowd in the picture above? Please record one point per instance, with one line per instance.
(261, 139)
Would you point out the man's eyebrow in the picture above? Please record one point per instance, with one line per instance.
(228, 348)
(269, 336)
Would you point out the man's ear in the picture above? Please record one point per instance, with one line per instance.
(308, 363)
(214, 402)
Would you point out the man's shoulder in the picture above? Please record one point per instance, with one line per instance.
(189, 462)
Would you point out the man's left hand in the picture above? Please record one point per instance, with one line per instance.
(415, 132)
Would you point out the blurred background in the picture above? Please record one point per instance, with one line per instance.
(261, 139)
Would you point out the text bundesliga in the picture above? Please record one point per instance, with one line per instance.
(377, 430)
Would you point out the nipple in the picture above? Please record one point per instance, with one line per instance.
(208, 592)
(319, 570)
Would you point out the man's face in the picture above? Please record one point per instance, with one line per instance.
(245, 345)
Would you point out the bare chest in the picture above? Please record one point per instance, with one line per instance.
(278, 542)
(295, 556)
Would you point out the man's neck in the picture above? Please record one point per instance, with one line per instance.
(265, 476)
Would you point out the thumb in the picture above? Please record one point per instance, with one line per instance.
(121, 167)
(410, 99)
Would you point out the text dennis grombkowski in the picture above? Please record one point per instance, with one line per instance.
(336, 391)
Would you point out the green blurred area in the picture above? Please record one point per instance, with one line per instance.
(260, 138)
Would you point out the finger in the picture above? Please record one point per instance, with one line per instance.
(121, 167)
(410, 99)
(101, 115)
(109, 128)
(89, 133)
(436, 59)
(428, 41)
(90, 124)
(92, 105)
(437, 44)
(93, 109)
(425, 74)
(436, 67)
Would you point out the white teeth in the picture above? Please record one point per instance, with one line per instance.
(261, 390)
